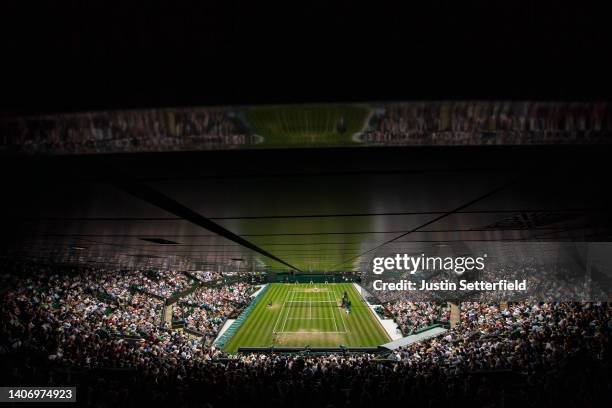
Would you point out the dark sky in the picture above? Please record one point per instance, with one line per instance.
(63, 56)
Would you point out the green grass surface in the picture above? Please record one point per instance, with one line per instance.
(309, 125)
(309, 315)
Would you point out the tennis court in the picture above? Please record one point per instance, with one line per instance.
(314, 310)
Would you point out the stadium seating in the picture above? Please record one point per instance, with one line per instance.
(229, 333)
(52, 313)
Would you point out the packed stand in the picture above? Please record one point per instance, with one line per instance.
(489, 123)
(166, 284)
(529, 352)
(207, 309)
(205, 276)
(124, 131)
(414, 316)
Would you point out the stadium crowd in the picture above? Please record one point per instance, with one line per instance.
(412, 316)
(488, 123)
(124, 131)
(167, 284)
(416, 123)
(206, 309)
(205, 276)
(55, 320)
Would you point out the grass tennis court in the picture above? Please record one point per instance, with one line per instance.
(308, 125)
(298, 315)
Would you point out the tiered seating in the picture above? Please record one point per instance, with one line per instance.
(233, 329)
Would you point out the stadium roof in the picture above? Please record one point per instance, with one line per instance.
(309, 209)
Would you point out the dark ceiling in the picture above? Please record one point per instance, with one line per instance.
(304, 209)
(78, 56)
(309, 209)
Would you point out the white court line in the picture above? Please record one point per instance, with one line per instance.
(342, 319)
(286, 318)
(280, 313)
(313, 332)
(343, 316)
(333, 312)
(310, 308)
(309, 290)
(290, 297)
